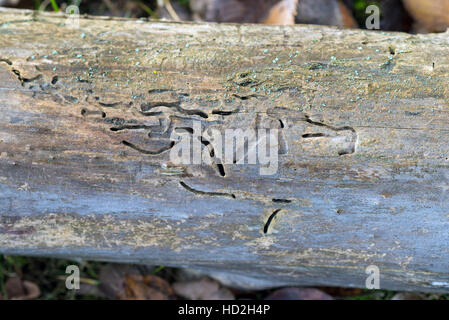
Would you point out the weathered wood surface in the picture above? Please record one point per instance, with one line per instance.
(372, 189)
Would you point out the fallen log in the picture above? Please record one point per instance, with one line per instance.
(87, 127)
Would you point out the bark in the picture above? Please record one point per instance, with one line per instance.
(87, 117)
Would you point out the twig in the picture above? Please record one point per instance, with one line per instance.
(171, 11)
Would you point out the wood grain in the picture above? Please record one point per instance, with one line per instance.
(363, 166)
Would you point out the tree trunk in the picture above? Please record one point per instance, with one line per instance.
(87, 122)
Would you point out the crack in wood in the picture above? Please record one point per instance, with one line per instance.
(153, 91)
(24, 80)
(7, 61)
(314, 135)
(146, 107)
(166, 122)
(343, 151)
(115, 104)
(270, 220)
(131, 127)
(86, 112)
(244, 79)
(206, 193)
(246, 97)
(276, 200)
(215, 161)
(224, 113)
(320, 124)
(148, 152)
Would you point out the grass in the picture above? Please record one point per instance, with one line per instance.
(374, 295)
(145, 5)
(54, 5)
(48, 274)
(150, 12)
(359, 10)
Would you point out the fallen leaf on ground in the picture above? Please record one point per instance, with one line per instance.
(149, 287)
(203, 289)
(298, 294)
(128, 283)
(112, 279)
(18, 289)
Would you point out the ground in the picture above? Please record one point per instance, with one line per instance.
(101, 280)
(42, 278)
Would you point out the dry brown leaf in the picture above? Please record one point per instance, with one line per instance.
(127, 283)
(135, 289)
(159, 284)
(16, 289)
(112, 279)
(31, 289)
(138, 287)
